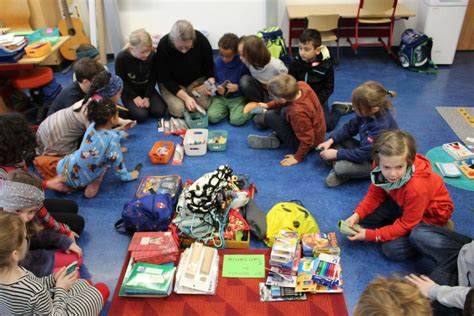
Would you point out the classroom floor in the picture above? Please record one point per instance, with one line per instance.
(418, 95)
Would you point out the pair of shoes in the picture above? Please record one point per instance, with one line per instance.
(263, 142)
(342, 107)
(450, 225)
(259, 121)
(345, 229)
(332, 180)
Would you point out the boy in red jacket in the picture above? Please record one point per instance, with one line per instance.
(295, 116)
(404, 193)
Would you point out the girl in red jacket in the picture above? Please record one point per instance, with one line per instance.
(404, 193)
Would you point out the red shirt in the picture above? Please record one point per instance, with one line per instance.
(306, 118)
(423, 198)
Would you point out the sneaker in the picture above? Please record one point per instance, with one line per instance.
(263, 142)
(332, 180)
(342, 107)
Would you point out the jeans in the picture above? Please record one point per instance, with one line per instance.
(398, 249)
(276, 121)
(442, 247)
(350, 169)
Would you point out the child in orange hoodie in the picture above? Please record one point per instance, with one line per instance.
(404, 193)
(295, 116)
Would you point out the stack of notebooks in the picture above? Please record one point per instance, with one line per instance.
(198, 270)
(284, 259)
(147, 280)
(12, 48)
(154, 247)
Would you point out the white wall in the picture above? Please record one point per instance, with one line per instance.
(242, 17)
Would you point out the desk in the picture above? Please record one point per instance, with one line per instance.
(297, 18)
(28, 62)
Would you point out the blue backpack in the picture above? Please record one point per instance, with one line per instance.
(150, 213)
(415, 52)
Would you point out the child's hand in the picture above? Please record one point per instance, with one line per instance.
(329, 154)
(326, 145)
(135, 174)
(126, 124)
(220, 90)
(359, 236)
(253, 105)
(73, 236)
(65, 281)
(124, 149)
(232, 87)
(146, 102)
(76, 249)
(288, 161)
(138, 102)
(353, 220)
(202, 89)
(423, 283)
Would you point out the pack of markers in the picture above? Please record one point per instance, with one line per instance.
(327, 270)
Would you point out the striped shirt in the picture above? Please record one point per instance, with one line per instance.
(60, 133)
(31, 295)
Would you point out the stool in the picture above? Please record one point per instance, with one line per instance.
(34, 79)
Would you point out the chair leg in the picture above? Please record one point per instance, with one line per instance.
(337, 54)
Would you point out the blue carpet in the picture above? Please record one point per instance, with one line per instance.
(418, 95)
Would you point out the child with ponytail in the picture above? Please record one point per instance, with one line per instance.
(351, 158)
(100, 148)
(23, 293)
(61, 132)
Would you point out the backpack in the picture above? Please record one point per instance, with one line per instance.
(273, 38)
(290, 216)
(415, 52)
(150, 213)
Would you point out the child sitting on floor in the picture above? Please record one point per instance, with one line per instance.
(100, 148)
(350, 158)
(60, 134)
(84, 69)
(228, 69)
(23, 293)
(52, 244)
(262, 67)
(404, 193)
(299, 124)
(135, 66)
(392, 296)
(315, 66)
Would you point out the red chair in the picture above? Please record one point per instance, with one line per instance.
(380, 12)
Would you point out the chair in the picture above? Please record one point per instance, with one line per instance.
(375, 12)
(326, 24)
(34, 79)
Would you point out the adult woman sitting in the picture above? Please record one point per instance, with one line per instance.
(184, 64)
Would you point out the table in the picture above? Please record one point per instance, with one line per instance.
(28, 62)
(297, 19)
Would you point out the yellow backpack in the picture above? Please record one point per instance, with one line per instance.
(291, 216)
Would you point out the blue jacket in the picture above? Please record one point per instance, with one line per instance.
(367, 128)
(232, 71)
